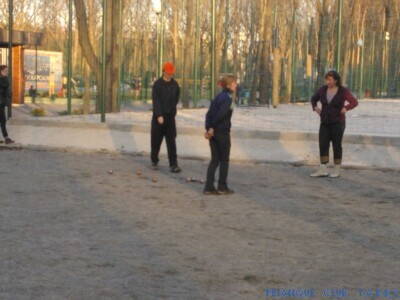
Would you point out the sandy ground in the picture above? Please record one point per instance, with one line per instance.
(71, 230)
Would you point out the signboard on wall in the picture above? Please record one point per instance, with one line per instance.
(45, 69)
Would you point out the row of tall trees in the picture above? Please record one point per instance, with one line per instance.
(279, 49)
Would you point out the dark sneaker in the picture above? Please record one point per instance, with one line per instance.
(213, 192)
(9, 141)
(226, 191)
(154, 166)
(175, 169)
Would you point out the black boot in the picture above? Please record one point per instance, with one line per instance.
(175, 169)
(8, 141)
(225, 191)
(210, 192)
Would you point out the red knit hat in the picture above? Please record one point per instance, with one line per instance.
(169, 68)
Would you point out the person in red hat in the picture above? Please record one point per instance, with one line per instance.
(166, 92)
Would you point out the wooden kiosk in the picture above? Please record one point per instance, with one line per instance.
(20, 40)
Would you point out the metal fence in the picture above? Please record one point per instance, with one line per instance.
(114, 50)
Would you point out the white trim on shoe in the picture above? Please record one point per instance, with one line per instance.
(321, 172)
(336, 172)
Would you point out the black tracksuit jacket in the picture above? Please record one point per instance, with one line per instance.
(4, 91)
(165, 97)
(220, 113)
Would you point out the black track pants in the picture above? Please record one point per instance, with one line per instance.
(331, 133)
(158, 132)
(3, 120)
(220, 146)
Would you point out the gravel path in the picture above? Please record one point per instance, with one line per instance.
(72, 229)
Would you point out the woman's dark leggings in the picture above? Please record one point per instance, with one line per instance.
(3, 120)
(331, 133)
(220, 146)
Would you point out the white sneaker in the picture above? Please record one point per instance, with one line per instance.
(336, 172)
(321, 172)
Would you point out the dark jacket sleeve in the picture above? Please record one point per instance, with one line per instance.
(5, 93)
(210, 113)
(208, 119)
(178, 93)
(222, 111)
(218, 111)
(352, 101)
(3, 83)
(157, 111)
(315, 98)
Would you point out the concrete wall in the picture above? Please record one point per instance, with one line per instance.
(254, 146)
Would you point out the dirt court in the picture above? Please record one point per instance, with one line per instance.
(72, 229)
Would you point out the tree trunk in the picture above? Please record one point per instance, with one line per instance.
(188, 54)
(323, 42)
(221, 38)
(265, 53)
(276, 77)
(86, 92)
(112, 36)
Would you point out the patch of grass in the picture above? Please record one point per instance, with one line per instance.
(171, 272)
(77, 111)
(63, 113)
(38, 112)
(251, 278)
(86, 174)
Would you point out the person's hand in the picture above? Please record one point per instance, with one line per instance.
(209, 134)
(317, 110)
(344, 110)
(160, 120)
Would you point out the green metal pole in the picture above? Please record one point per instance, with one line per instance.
(275, 30)
(183, 89)
(122, 80)
(386, 68)
(162, 26)
(294, 71)
(103, 66)
(10, 50)
(213, 44)
(360, 93)
(227, 16)
(310, 39)
(36, 72)
(69, 55)
(361, 70)
(196, 58)
(371, 81)
(36, 58)
(381, 66)
(158, 44)
(293, 46)
(339, 36)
